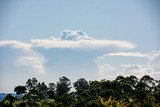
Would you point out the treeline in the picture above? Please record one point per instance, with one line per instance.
(121, 92)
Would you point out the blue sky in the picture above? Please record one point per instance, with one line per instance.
(102, 39)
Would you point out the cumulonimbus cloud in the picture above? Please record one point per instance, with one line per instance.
(79, 39)
(69, 39)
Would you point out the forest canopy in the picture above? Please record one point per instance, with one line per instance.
(122, 92)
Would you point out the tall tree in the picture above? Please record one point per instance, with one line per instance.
(81, 84)
(51, 88)
(63, 85)
(31, 84)
(41, 90)
(149, 81)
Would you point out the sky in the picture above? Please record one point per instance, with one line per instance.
(91, 39)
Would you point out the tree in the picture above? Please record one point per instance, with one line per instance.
(41, 87)
(41, 90)
(81, 84)
(63, 86)
(9, 98)
(157, 91)
(149, 81)
(144, 87)
(31, 84)
(51, 89)
(133, 80)
(120, 79)
(66, 100)
(20, 89)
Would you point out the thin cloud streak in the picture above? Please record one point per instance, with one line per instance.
(128, 54)
(50, 43)
(93, 44)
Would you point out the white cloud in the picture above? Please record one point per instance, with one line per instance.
(106, 71)
(94, 44)
(31, 58)
(109, 71)
(16, 44)
(137, 70)
(69, 39)
(35, 62)
(154, 60)
(79, 39)
(153, 64)
(125, 54)
(74, 35)
(152, 67)
(128, 54)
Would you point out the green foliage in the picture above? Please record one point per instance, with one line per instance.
(109, 103)
(121, 92)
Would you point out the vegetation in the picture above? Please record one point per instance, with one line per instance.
(121, 92)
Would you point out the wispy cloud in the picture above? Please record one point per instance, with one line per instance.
(154, 60)
(152, 67)
(89, 44)
(16, 44)
(128, 54)
(125, 54)
(31, 58)
(106, 71)
(137, 70)
(35, 62)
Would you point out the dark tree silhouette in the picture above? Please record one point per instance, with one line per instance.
(31, 84)
(51, 88)
(41, 89)
(122, 92)
(63, 86)
(81, 84)
(20, 89)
